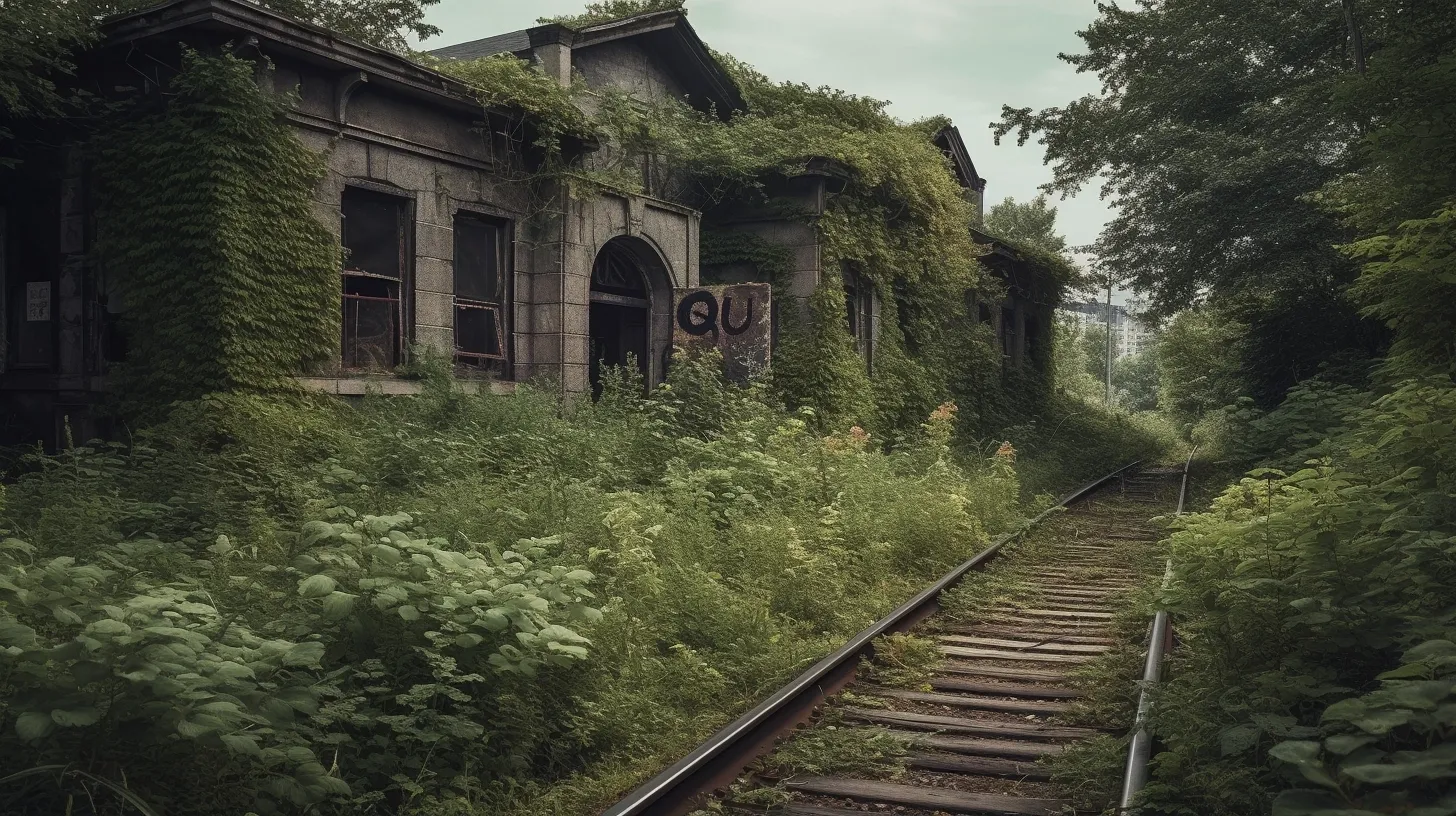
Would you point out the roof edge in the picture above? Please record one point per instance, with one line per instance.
(299, 35)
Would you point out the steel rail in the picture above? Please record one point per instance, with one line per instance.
(1140, 750)
(716, 763)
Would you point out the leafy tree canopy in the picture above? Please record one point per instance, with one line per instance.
(1032, 224)
(1210, 169)
(609, 10)
(39, 37)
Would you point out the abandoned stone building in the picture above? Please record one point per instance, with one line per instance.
(448, 247)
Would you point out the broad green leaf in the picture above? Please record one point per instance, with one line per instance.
(33, 725)
(76, 717)
(16, 634)
(304, 654)
(338, 605)
(240, 744)
(316, 586)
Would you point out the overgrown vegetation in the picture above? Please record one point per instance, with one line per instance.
(206, 214)
(447, 604)
(1313, 597)
(430, 604)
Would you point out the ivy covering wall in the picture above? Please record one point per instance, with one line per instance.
(230, 282)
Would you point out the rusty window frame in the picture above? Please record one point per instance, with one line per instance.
(395, 286)
(464, 304)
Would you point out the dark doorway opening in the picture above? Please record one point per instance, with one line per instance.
(620, 314)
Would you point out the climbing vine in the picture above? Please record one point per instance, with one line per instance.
(206, 218)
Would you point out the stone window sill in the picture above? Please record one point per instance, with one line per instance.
(395, 386)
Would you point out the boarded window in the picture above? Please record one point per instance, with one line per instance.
(481, 291)
(375, 242)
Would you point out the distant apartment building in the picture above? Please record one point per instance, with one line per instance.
(1129, 334)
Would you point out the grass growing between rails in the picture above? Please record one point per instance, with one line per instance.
(446, 604)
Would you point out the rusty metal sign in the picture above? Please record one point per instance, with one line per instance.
(734, 319)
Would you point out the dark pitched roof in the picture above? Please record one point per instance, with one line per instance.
(949, 140)
(516, 42)
(666, 33)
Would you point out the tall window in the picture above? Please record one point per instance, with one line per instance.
(375, 233)
(859, 308)
(481, 291)
(1008, 332)
(28, 293)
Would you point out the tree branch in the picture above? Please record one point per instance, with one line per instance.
(1357, 40)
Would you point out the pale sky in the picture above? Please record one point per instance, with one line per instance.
(961, 58)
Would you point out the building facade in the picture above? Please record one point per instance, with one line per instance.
(451, 244)
(1130, 334)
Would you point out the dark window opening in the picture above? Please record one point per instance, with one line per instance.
(1033, 338)
(480, 292)
(375, 243)
(618, 316)
(371, 323)
(1008, 331)
(984, 313)
(28, 266)
(616, 273)
(859, 309)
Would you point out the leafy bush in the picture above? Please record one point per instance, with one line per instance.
(448, 603)
(1295, 594)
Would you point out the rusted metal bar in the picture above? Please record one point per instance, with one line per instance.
(717, 762)
(1160, 640)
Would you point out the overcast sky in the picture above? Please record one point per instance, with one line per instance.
(961, 58)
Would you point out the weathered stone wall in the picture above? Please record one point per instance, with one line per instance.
(440, 162)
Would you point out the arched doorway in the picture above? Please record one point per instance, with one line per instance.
(629, 294)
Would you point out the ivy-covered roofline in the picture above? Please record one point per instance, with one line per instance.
(668, 33)
(1050, 273)
(238, 20)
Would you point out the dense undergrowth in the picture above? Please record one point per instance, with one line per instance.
(449, 603)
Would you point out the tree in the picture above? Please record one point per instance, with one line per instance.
(1213, 171)
(38, 40)
(1031, 225)
(1077, 363)
(1199, 368)
(384, 23)
(1093, 339)
(1136, 379)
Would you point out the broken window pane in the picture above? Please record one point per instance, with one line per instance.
(479, 260)
(374, 240)
(371, 323)
(480, 291)
(373, 227)
(478, 331)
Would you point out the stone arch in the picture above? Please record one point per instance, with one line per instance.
(630, 309)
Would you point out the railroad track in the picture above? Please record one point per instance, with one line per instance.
(992, 707)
